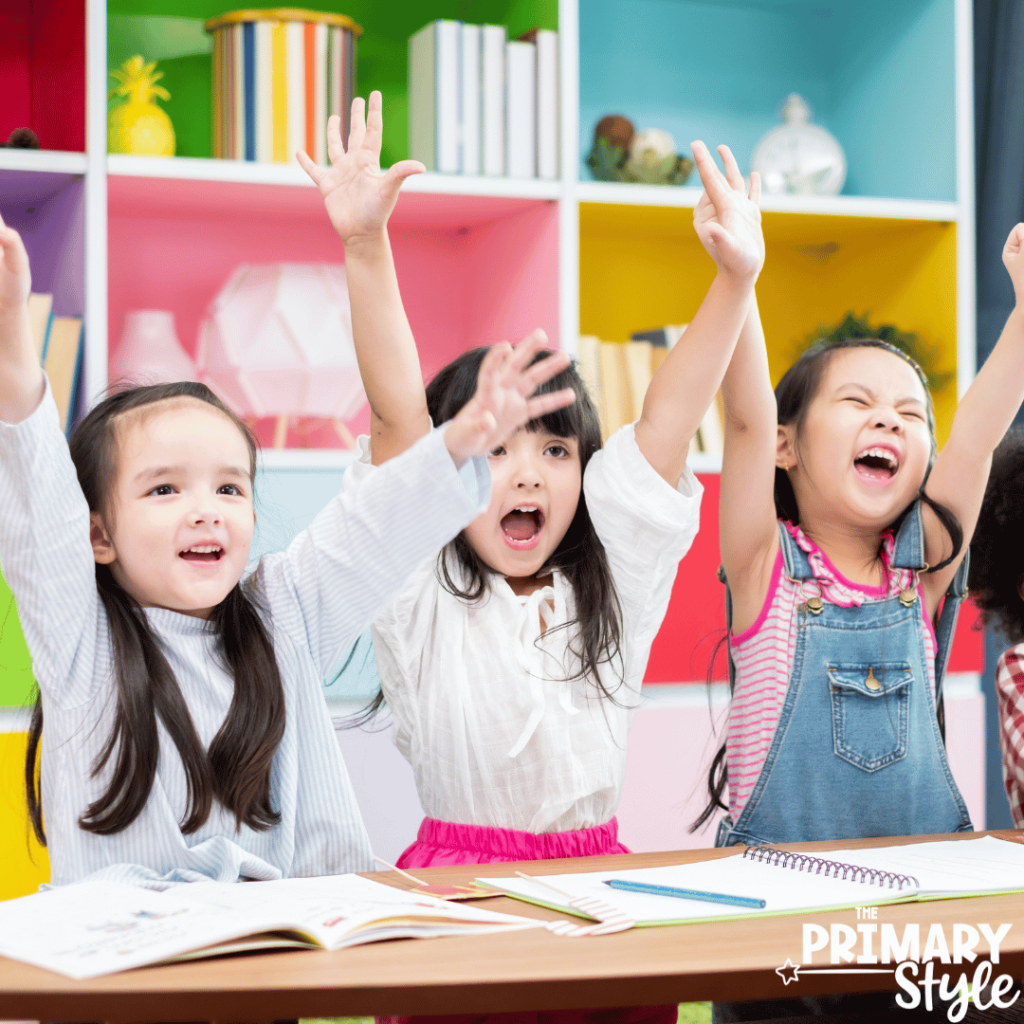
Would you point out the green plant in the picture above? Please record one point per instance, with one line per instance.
(852, 326)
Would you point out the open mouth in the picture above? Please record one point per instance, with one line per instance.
(522, 525)
(203, 553)
(877, 464)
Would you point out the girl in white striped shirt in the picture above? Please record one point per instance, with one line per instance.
(186, 736)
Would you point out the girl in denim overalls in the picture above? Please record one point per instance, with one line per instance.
(842, 531)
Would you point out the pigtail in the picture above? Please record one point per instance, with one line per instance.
(950, 524)
(146, 687)
(33, 792)
(718, 779)
(242, 752)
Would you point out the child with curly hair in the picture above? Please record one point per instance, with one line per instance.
(996, 583)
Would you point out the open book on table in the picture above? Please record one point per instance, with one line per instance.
(791, 883)
(93, 928)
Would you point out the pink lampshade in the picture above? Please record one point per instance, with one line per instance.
(277, 341)
(149, 351)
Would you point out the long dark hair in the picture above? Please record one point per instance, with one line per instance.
(997, 548)
(580, 557)
(793, 396)
(236, 768)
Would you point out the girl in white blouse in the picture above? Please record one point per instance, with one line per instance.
(186, 736)
(512, 661)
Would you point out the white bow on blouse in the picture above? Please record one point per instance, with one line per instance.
(543, 606)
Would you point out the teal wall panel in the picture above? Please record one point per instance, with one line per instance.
(877, 74)
(286, 502)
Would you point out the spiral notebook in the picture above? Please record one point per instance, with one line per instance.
(795, 883)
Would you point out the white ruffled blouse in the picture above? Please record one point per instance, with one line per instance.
(482, 710)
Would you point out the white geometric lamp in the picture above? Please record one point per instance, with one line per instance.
(278, 342)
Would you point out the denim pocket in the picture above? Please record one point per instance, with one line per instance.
(870, 712)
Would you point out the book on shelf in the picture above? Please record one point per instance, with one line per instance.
(662, 339)
(710, 435)
(62, 363)
(480, 103)
(434, 88)
(520, 109)
(618, 374)
(789, 883)
(546, 99)
(616, 407)
(492, 99)
(470, 94)
(638, 357)
(589, 368)
(94, 928)
(40, 315)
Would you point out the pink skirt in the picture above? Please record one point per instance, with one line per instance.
(443, 842)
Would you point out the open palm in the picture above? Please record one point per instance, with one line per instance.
(15, 277)
(359, 197)
(727, 218)
(1013, 259)
(504, 397)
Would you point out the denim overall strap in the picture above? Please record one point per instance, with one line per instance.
(857, 750)
(908, 553)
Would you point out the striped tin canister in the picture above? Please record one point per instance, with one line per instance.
(278, 75)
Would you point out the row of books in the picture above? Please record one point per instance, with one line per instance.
(618, 373)
(58, 341)
(480, 103)
(275, 83)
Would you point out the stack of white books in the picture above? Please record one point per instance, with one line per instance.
(480, 103)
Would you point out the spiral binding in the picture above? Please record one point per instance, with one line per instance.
(830, 868)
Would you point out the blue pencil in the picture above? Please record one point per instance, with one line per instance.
(684, 894)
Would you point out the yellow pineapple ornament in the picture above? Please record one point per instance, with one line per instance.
(138, 125)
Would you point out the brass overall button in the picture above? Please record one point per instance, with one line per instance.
(872, 683)
(908, 597)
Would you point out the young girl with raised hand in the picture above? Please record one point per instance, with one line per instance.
(186, 736)
(512, 661)
(843, 539)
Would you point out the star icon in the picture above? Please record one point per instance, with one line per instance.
(788, 972)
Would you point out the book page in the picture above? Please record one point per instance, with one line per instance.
(341, 910)
(951, 867)
(93, 928)
(783, 890)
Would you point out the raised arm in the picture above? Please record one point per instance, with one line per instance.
(983, 416)
(359, 199)
(728, 222)
(21, 377)
(748, 532)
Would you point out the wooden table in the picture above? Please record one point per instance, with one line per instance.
(531, 970)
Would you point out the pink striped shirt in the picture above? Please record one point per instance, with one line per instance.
(763, 655)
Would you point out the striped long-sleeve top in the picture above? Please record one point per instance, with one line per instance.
(317, 596)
